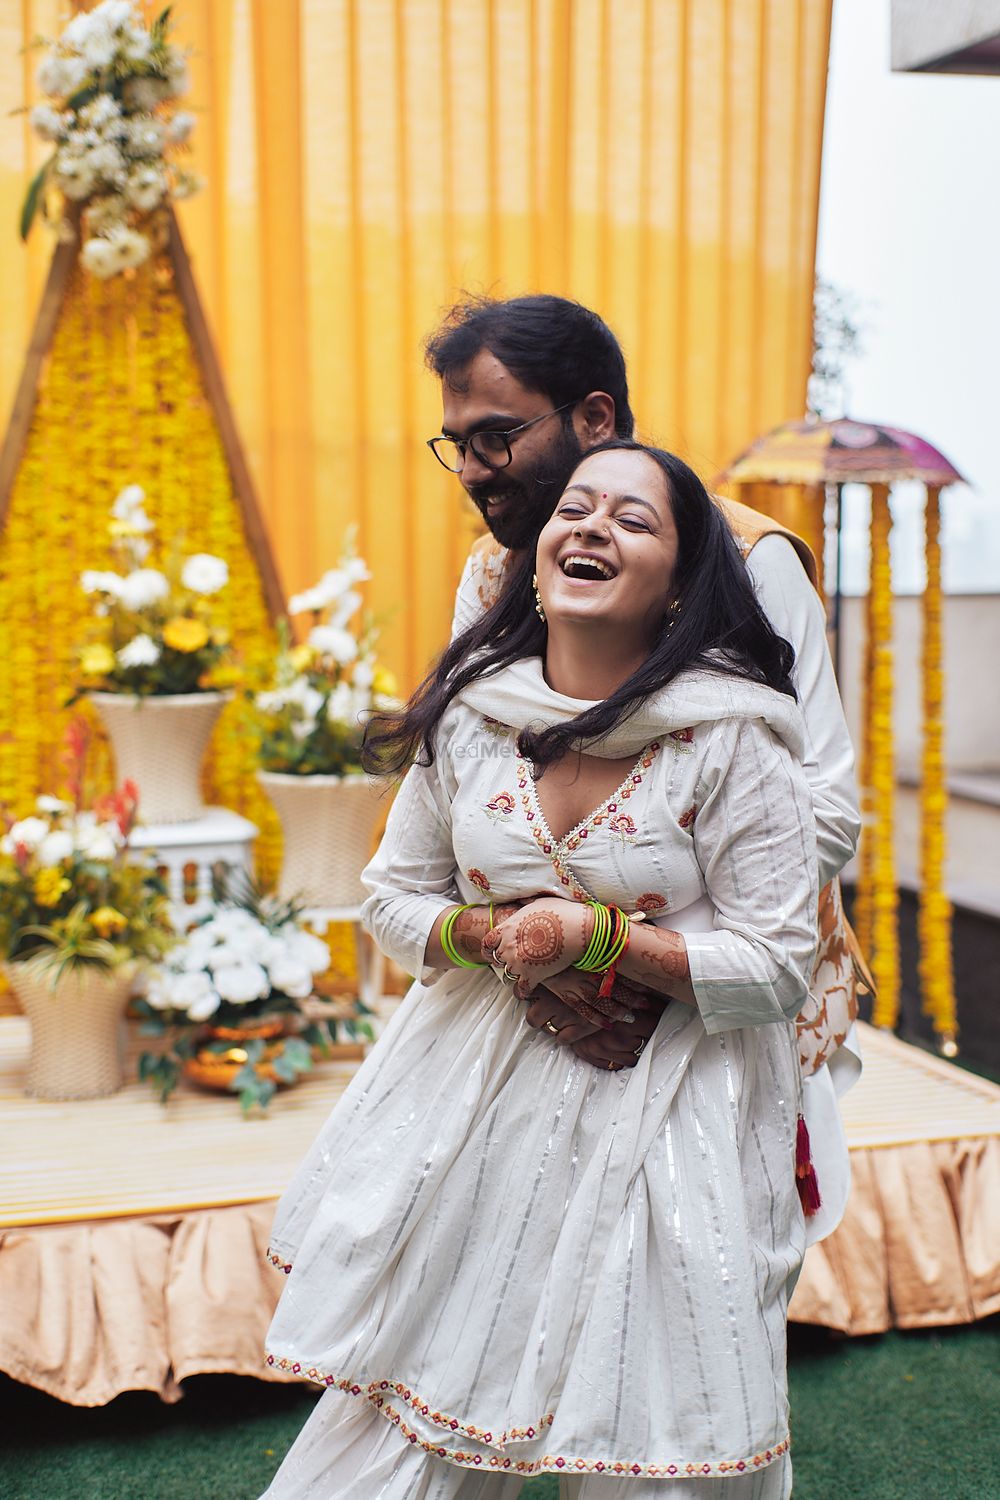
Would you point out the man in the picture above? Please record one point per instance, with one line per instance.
(528, 386)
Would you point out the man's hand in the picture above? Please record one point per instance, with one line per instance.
(562, 1007)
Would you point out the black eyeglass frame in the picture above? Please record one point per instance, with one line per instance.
(463, 444)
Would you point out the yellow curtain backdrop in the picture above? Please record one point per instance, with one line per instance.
(368, 160)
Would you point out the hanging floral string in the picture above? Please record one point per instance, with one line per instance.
(881, 788)
(934, 918)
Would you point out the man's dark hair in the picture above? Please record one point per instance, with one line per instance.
(718, 626)
(551, 345)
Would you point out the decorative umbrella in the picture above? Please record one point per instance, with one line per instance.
(787, 473)
(842, 451)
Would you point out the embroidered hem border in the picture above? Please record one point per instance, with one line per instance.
(550, 1463)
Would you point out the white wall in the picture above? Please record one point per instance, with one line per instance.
(972, 678)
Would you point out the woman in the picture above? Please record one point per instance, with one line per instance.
(528, 1264)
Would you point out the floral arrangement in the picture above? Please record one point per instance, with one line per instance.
(312, 717)
(157, 632)
(248, 963)
(68, 894)
(112, 85)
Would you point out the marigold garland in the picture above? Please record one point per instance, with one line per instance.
(878, 797)
(934, 918)
(121, 399)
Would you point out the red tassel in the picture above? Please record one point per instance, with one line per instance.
(805, 1173)
(607, 983)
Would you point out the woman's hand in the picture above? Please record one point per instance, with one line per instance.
(544, 937)
(579, 990)
(621, 1046)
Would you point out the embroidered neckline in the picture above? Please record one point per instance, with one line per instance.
(557, 850)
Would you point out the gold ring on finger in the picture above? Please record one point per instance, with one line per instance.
(508, 975)
(555, 1030)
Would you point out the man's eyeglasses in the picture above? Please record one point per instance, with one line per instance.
(491, 448)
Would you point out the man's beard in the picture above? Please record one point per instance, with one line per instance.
(528, 501)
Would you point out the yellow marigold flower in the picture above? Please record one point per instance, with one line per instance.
(96, 661)
(385, 682)
(301, 657)
(50, 887)
(182, 634)
(106, 921)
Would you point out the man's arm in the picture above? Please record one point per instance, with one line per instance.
(794, 609)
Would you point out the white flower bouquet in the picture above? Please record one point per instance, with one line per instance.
(112, 83)
(311, 718)
(246, 971)
(156, 630)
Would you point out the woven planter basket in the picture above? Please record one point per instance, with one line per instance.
(159, 743)
(328, 825)
(77, 1041)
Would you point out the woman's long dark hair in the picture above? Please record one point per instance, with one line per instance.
(718, 626)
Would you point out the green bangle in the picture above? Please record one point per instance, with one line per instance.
(598, 937)
(449, 947)
(620, 943)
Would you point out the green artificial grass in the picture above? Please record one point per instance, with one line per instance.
(907, 1416)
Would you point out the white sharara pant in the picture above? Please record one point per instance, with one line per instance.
(348, 1451)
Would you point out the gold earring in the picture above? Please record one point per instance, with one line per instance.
(539, 608)
(673, 610)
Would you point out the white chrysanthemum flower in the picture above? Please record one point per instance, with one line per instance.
(104, 214)
(61, 75)
(136, 43)
(301, 729)
(107, 163)
(54, 848)
(93, 581)
(142, 588)
(344, 609)
(75, 176)
(242, 982)
(130, 247)
(334, 642)
(356, 570)
(205, 574)
(345, 705)
(306, 948)
(99, 258)
(364, 674)
(146, 186)
(29, 832)
(145, 137)
(206, 1005)
(129, 500)
(141, 651)
(291, 977)
(47, 804)
(309, 601)
(101, 111)
(47, 122)
(180, 127)
(234, 922)
(101, 842)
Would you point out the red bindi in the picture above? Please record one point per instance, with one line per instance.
(604, 497)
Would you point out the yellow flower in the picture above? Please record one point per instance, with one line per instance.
(96, 661)
(50, 887)
(385, 682)
(301, 657)
(182, 634)
(106, 921)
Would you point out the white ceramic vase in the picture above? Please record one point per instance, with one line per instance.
(328, 825)
(159, 743)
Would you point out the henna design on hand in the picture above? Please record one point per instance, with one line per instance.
(539, 938)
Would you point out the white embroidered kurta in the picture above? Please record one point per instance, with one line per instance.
(528, 1264)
